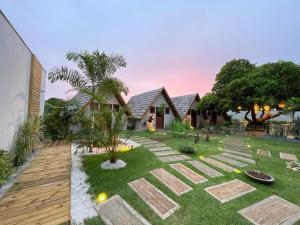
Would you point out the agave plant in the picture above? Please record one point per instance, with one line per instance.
(27, 137)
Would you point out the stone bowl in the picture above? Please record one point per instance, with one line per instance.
(259, 176)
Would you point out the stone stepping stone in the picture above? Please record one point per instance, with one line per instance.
(237, 157)
(229, 160)
(173, 158)
(272, 210)
(219, 165)
(163, 153)
(188, 173)
(205, 169)
(237, 153)
(288, 156)
(155, 145)
(172, 182)
(243, 150)
(159, 202)
(138, 138)
(263, 152)
(116, 211)
(229, 190)
(157, 149)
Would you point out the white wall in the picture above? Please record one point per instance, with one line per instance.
(157, 103)
(15, 63)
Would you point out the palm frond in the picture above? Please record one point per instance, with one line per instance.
(73, 77)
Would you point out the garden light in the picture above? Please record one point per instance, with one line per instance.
(256, 108)
(281, 104)
(267, 108)
(102, 197)
(239, 108)
(237, 171)
(201, 157)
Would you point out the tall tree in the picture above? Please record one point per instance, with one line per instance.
(94, 73)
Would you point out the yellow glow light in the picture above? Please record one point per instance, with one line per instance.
(124, 149)
(239, 107)
(249, 146)
(267, 108)
(102, 197)
(237, 171)
(281, 105)
(201, 157)
(256, 108)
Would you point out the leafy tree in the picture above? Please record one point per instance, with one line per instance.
(292, 105)
(59, 116)
(243, 86)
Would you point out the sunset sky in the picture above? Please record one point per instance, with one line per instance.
(173, 43)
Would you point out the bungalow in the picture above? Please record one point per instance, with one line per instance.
(114, 102)
(153, 106)
(186, 106)
(22, 82)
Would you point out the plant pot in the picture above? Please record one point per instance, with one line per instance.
(259, 176)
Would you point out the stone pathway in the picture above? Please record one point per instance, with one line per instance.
(124, 213)
(172, 182)
(164, 153)
(159, 202)
(219, 165)
(272, 210)
(288, 156)
(229, 190)
(240, 158)
(188, 173)
(174, 158)
(263, 152)
(293, 165)
(238, 153)
(205, 169)
(157, 149)
(157, 145)
(229, 160)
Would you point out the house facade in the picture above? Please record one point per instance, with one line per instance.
(113, 102)
(22, 82)
(154, 107)
(186, 106)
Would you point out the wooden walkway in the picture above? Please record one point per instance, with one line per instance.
(41, 194)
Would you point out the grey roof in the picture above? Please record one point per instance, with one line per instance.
(183, 103)
(81, 98)
(138, 104)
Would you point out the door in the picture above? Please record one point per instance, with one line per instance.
(194, 118)
(159, 118)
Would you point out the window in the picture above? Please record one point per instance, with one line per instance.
(152, 110)
(167, 110)
(94, 106)
(199, 112)
(107, 106)
(116, 107)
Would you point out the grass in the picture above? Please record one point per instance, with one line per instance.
(197, 206)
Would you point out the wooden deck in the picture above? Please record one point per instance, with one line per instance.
(41, 194)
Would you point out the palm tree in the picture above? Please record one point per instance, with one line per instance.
(94, 74)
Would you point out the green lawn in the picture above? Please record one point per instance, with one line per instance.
(197, 206)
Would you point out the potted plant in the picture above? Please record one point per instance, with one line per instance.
(258, 175)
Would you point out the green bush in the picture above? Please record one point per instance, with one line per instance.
(27, 137)
(179, 127)
(6, 167)
(188, 149)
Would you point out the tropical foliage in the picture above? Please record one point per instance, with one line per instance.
(27, 137)
(188, 149)
(59, 116)
(179, 127)
(6, 167)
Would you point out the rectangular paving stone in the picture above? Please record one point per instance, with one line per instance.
(160, 149)
(188, 173)
(151, 145)
(263, 152)
(229, 190)
(288, 156)
(219, 165)
(116, 211)
(229, 160)
(138, 138)
(159, 202)
(163, 153)
(238, 153)
(272, 210)
(157, 149)
(173, 158)
(172, 182)
(205, 169)
(237, 157)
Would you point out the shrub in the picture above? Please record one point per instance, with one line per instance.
(188, 149)
(179, 127)
(6, 167)
(26, 139)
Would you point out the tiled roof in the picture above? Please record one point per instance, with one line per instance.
(81, 98)
(183, 103)
(138, 104)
